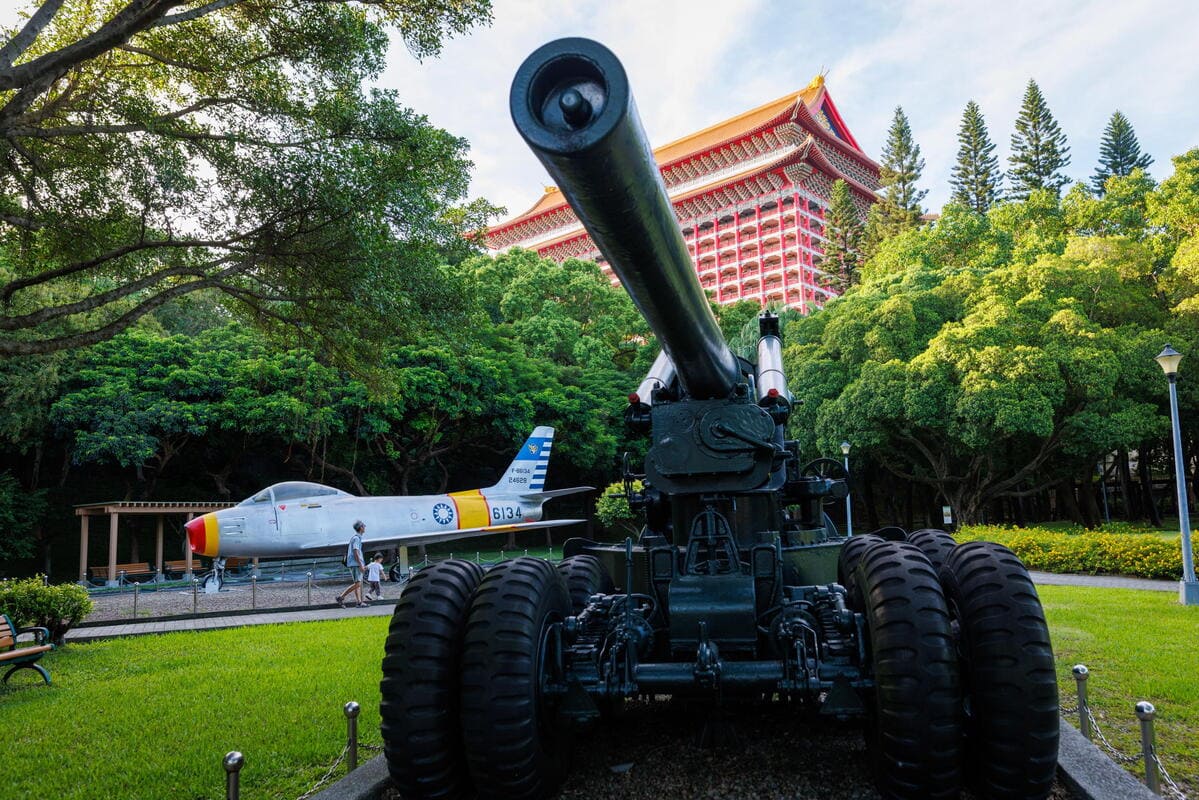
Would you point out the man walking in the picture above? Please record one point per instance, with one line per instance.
(356, 563)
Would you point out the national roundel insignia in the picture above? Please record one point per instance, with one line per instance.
(443, 514)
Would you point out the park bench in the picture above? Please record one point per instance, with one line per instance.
(179, 567)
(17, 656)
(130, 570)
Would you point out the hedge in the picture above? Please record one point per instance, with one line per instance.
(29, 601)
(1115, 549)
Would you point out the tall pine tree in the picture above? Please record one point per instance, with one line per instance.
(1119, 152)
(976, 177)
(899, 210)
(843, 234)
(1039, 150)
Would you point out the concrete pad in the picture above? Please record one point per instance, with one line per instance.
(1088, 772)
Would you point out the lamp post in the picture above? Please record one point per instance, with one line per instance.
(848, 503)
(1188, 590)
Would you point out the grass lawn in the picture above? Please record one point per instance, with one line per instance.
(151, 717)
(1137, 646)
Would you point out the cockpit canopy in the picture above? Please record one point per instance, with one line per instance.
(292, 490)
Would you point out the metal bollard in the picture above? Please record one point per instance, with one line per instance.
(309, 588)
(526, 552)
(121, 577)
(352, 709)
(1081, 673)
(1146, 713)
(477, 559)
(195, 595)
(253, 592)
(234, 761)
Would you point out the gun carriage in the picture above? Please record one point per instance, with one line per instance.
(739, 587)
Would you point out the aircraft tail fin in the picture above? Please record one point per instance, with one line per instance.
(526, 473)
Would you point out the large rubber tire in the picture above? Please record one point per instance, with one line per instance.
(847, 565)
(935, 544)
(584, 576)
(916, 726)
(422, 738)
(1007, 671)
(514, 747)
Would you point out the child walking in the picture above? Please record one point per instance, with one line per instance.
(374, 574)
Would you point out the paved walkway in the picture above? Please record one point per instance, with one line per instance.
(381, 609)
(1103, 581)
(275, 617)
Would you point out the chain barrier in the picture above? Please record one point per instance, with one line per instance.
(1171, 787)
(1145, 712)
(1111, 749)
(316, 787)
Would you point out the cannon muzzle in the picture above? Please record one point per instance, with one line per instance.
(571, 102)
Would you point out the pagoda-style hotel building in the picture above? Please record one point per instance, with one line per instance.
(750, 194)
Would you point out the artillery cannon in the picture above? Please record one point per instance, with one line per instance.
(738, 588)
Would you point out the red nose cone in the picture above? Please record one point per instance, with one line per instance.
(195, 534)
(204, 535)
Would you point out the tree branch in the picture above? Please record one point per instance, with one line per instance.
(17, 46)
(15, 347)
(133, 18)
(170, 62)
(195, 13)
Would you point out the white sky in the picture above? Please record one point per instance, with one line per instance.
(694, 63)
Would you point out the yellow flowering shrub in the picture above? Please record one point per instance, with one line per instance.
(1115, 549)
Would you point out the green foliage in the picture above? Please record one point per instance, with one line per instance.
(20, 512)
(899, 209)
(613, 512)
(1039, 149)
(844, 232)
(316, 208)
(986, 357)
(1119, 153)
(29, 602)
(976, 176)
(1119, 550)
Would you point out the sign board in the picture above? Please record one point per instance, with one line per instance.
(947, 514)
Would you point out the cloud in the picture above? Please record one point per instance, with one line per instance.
(692, 64)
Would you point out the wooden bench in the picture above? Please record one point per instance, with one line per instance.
(179, 567)
(16, 656)
(130, 570)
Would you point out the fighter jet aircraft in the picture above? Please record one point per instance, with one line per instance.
(298, 518)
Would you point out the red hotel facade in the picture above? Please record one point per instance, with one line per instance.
(750, 194)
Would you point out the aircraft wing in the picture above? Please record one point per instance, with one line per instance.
(541, 497)
(433, 537)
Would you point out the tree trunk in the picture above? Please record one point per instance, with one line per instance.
(1151, 512)
(867, 494)
(1067, 504)
(908, 509)
(1128, 498)
(1018, 512)
(1091, 513)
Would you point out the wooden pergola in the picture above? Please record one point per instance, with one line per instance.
(116, 509)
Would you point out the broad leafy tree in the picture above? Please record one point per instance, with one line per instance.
(899, 209)
(1039, 149)
(157, 148)
(1119, 153)
(976, 176)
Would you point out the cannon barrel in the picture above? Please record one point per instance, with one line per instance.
(571, 102)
